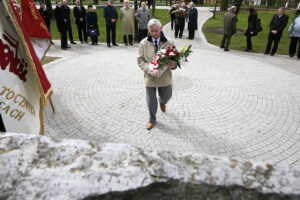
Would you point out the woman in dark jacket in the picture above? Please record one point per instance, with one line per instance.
(92, 25)
(252, 26)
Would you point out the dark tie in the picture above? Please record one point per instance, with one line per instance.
(156, 46)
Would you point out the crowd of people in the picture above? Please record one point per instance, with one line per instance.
(180, 14)
(276, 27)
(87, 21)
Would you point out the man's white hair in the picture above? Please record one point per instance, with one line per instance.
(154, 22)
(232, 8)
(126, 1)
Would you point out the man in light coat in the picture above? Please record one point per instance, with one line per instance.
(230, 21)
(143, 16)
(294, 32)
(147, 50)
(127, 18)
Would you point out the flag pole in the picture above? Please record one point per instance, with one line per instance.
(52, 105)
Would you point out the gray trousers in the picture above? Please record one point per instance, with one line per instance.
(165, 94)
(226, 41)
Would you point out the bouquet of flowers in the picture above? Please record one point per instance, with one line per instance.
(159, 63)
(181, 13)
(173, 9)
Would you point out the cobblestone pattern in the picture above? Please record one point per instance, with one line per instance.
(231, 104)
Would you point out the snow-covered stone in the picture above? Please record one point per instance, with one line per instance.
(35, 167)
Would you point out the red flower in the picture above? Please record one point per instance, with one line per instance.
(167, 52)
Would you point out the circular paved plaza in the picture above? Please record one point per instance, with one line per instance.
(224, 103)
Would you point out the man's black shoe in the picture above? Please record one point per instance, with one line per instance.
(68, 47)
(116, 45)
(226, 49)
(63, 48)
(108, 45)
(73, 43)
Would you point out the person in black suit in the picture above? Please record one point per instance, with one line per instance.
(111, 17)
(92, 25)
(252, 28)
(180, 21)
(80, 15)
(2, 127)
(277, 25)
(61, 23)
(67, 12)
(46, 15)
(193, 20)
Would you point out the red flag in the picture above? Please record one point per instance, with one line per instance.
(35, 27)
(40, 33)
(32, 20)
(23, 83)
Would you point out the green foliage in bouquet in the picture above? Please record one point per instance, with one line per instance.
(165, 55)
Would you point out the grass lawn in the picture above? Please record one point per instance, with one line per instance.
(48, 59)
(162, 15)
(213, 32)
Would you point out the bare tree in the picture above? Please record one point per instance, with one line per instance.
(49, 7)
(153, 7)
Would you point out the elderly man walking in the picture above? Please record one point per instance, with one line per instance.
(147, 50)
(230, 21)
(127, 18)
(143, 16)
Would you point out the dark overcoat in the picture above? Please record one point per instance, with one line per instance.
(92, 21)
(193, 19)
(279, 23)
(110, 13)
(79, 14)
(60, 19)
(252, 25)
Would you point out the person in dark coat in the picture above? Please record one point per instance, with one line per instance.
(277, 25)
(80, 16)
(111, 17)
(230, 21)
(67, 12)
(172, 11)
(92, 24)
(61, 23)
(46, 15)
(180, 20)
(193, 20)
(252, 28)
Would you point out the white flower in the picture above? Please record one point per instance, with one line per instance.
(172, 54)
